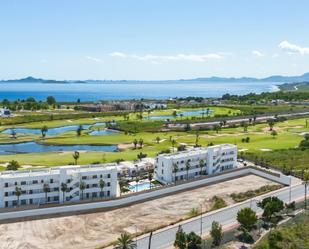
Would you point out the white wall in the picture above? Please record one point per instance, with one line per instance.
(145, 195)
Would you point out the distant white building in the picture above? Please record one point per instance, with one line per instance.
(5, 112)
(213, 159)
(31, 184)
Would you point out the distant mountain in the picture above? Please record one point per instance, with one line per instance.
(274, 78)
(31, 79)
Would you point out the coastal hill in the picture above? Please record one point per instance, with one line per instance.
(274, 78)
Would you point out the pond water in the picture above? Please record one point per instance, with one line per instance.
(33, 147)
(191, 113)
(51, 131)
(103, 132)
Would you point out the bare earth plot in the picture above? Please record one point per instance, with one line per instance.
(99, 229)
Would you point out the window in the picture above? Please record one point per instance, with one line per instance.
(6, 184)
(6, 194)
(51, 180)
(23, 183)
(84, 177)
(108, 193)
(94, 177)
(42, 181)
(108, 184)
(30, 201)
(15, 183)
(101, 176)
(109, 176)
(23, 202)
(35, 182)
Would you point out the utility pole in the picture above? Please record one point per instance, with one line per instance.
(201, 219)
(149, 242)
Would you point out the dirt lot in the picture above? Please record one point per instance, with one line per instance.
(99, 229)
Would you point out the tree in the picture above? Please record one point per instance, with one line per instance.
(75, 156)
(305, 182)
(82, 187)
(247, 219)
(13, 133)
(12, 165)
(180, 240)
(201, 164)
(64, 188)
(141, 142)
(79, 130)
(137, 179)
(193, 241)
(158, 139)
(173, 144)
(271, 124)
(274, 133)
(46, 189)
(217, 128)
(216, 233)
(175, 170)
(271, 205)
(101, 185)
(51, 100)
(18, 193)
(197, 137)
(188, 168)
(44, 130)
(150, 177)
(135, 142)
(125, 241)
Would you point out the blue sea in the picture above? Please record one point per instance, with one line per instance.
(130, 90)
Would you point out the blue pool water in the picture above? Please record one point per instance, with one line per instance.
(140, 186)
(33, 147)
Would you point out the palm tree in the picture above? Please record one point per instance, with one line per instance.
(197, 137)
(12, 165)
(202, 163)
(187, 168)
(79, 130)
(141, 142)
(150, 176)
(44, 130)
(101, 184)
(136, 181)
(125, 241)
(135, 142)
(82, 187)
(271, 124)
(13, 133)
(76, 156)
(46, 189)
(64, 188)
(305, 182)
(175, 170)
(158, 139)
(18, 192)
(173, 144)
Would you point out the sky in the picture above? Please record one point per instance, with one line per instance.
(153, 39)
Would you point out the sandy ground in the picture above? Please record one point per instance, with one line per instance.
(99, 229)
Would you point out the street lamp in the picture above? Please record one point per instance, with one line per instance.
(201, 218)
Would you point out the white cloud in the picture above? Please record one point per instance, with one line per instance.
(93, 59)
(257, 53)
(293, 48)
(178, 57)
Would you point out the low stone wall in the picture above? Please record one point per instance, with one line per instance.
(144, 196)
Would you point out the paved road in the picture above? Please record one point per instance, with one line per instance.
(226, 216)
(234, 120)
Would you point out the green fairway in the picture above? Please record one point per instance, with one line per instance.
(261, 141)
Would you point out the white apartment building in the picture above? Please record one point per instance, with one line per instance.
(31, 184)
(193, 163)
